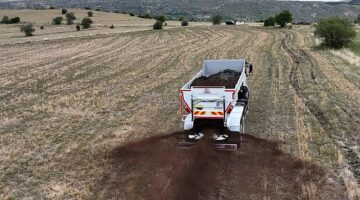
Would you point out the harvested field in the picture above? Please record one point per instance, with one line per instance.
(228, 79)
(95, 116)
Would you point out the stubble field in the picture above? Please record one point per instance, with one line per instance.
(95, 114)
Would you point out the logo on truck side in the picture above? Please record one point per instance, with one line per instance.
(206, 91)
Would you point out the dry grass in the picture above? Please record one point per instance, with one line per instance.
(10, 34)
(67, 98)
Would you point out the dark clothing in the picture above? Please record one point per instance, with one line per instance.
(243, 94)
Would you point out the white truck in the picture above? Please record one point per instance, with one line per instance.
(217, 97)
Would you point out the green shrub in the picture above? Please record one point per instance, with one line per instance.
(132, 14)
(63, 11)
(27, 29)
(283, 18)
(145, 16)
(14, 20)
(217, 19)
(70, 17)
(5, 20)
(98, 9)
(161, 18)
(157, 25)
(87, 8)
(57, 20)
(148, 16)
(90, 14)
(270, 21)
(335, 31)
(52, 7)
(86, 23)
(357, 20)
(181, 18)
(184, 23)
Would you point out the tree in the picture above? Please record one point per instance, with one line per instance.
(357, 20)
(184, 23)
(86, 23)
(270, 21)
(5, 20)
(90, 14)
(78, 27)
(283, 18)
(146, 16)
(217, 19)
(27, 29)
(70, 17)
(181, 18)
(14, 20)
(57, 20)
(63, 11)
(335, 31)
(161, 18)
(157, 25)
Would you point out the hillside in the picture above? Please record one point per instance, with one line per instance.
(203, 9)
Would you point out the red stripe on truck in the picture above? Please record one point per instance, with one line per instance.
(187, 107)
(209, 117)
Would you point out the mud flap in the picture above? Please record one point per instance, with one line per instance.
(186, 145)
(220, 147)
(226, 147)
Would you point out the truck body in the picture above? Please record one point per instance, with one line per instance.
(216, 102)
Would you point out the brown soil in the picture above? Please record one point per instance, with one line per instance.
(226, 78)
(155, 168)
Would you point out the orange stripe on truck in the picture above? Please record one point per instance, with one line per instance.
(199, 112)
(217, 113)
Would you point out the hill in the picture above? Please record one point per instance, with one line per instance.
(204, 9)
(357, 2)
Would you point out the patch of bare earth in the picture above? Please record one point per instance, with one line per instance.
(155, 169)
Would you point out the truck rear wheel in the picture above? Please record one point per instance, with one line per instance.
(242, 125)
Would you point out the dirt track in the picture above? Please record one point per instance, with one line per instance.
(68, 105)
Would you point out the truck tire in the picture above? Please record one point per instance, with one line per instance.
(242, 125)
